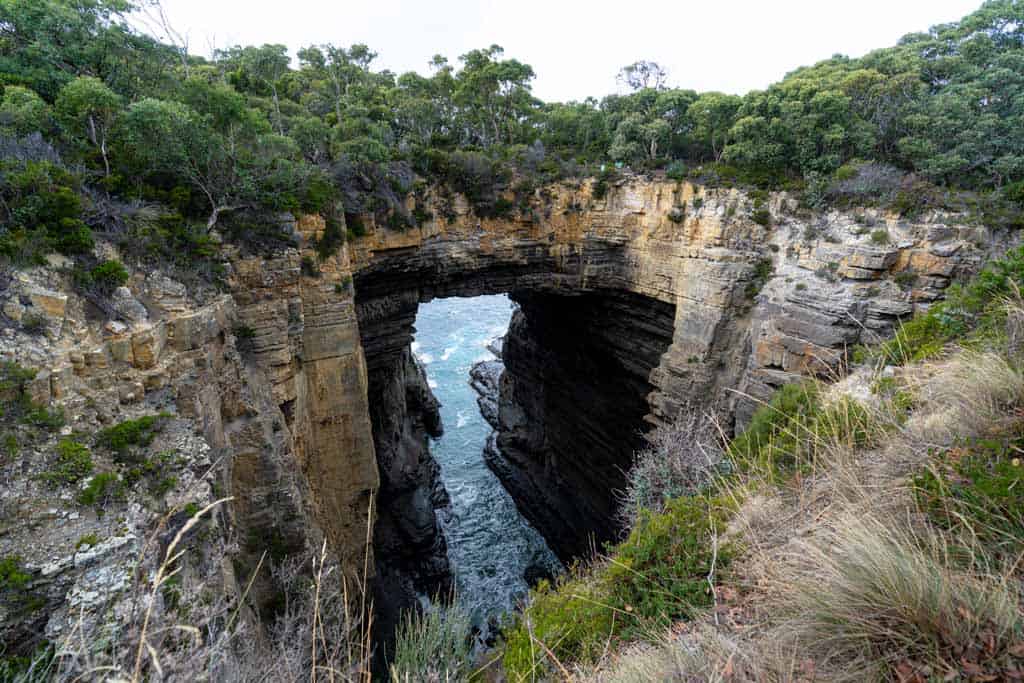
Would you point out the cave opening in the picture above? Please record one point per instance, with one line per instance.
(571, 406)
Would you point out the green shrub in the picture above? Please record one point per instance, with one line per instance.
(108, 276)
(880, 237)
(331, 239)
(762, 217)
(309, 267)
(44, 418)
(33, 323)
(658, 575)
(762, 273)
(87, 540)
(10, 446)
(905, 278)
(12, 574)
(771, 441)
(677, 171)
(977, 488)
(103, 487)
(922, 337)
(698, 202)
(600, 187)
(121, 437)
(433, 645)
(354, 225)
(74, 463)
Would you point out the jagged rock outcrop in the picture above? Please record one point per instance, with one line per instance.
(266, 388)
(411, 553)
(485, 379)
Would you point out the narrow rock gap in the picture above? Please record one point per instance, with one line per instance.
(571, 409)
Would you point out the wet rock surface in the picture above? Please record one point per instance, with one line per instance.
(485, 378)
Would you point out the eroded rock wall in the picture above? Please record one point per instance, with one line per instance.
(571, 411)
(756, 304)
(265, 390)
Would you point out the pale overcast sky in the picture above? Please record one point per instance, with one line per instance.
(577, 47)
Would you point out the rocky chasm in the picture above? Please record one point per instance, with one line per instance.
(315, 422)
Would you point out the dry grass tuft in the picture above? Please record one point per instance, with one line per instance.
(972, 395)
(869, 595)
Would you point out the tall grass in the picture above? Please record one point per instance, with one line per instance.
(433, 645)
(871, 595)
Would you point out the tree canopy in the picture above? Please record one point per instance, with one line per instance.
(252, 129)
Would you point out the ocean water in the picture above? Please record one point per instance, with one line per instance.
(490, 545)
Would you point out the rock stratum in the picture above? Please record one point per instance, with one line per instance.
(295, 396)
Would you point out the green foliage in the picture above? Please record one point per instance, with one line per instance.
(676, 171)
(103, 278)
(122, 437)
(659, 574)
(433, 644)
(970, 313)
(770, 443)
(10, 446)
(17, 411)
(309, 267)
(331, 239)
(762, 273)
(785, 435)
(36, 667)
(41, 200)
(354, 225)
(600, 187)
(977, 488)
(762, 216)
(922, 337)
(12, 574)
(74, 463)
(22, 111)
(880, 237)
(89, 539)
(101, 488)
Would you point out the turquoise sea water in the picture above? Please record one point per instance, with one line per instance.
(490, 545)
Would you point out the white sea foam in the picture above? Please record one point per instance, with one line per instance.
(448, 351)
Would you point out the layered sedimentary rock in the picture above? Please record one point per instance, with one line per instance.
(737, 307)
(572, 405)
(296, 382)
(266, 392)
(410, 549)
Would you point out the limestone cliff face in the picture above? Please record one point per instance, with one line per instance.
(266, 391)
(296, 394)
(656, 296)
(305, 341)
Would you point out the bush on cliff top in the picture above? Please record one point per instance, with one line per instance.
(659, 574)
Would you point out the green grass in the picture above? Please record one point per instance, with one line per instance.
(977, 488)
(785, 435)
(658, 575)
